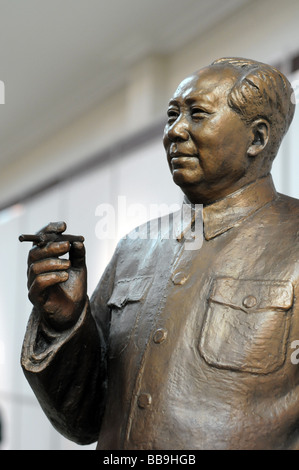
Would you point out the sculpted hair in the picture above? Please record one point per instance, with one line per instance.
(261, 91)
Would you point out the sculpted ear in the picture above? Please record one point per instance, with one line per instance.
(261, 133)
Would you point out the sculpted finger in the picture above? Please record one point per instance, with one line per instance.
(50, 250)
(56, 227)
(45, 266)
(77, 255)
(38, 287)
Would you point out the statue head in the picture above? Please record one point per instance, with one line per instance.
(225, 125)
(261, 91)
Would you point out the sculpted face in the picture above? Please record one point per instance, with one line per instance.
(205, 140)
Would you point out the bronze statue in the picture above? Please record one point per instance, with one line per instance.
(184, 349)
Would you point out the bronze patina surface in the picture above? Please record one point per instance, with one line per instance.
(184, 348)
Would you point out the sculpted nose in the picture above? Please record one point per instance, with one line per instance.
(178, 131)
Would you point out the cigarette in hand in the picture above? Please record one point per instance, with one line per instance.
(44, 238)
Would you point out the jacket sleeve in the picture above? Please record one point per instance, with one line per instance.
(67, 371)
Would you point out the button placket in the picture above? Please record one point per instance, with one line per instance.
(151, 362)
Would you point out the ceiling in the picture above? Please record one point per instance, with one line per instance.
(59, 57)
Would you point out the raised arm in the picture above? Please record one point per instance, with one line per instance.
(63, 354)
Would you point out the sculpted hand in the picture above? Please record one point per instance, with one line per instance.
(57, 287)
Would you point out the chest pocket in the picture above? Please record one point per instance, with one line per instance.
(125, 304)
(246, 325)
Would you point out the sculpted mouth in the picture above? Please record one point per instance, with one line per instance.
(181, 161)
(181, 155)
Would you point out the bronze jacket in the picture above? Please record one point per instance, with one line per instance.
(184, 348)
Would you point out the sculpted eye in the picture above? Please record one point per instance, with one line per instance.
(172, 115)
(198, 113)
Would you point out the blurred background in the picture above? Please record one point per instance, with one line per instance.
(86, 85)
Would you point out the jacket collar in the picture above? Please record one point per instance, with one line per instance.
(222, 215)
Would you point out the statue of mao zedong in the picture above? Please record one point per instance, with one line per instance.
(183, 348)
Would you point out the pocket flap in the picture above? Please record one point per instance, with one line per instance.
(249, 294)
(129, 290)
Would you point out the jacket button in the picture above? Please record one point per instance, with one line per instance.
(144, 400)
(160, 336)
(179, 279)
(249, 301)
